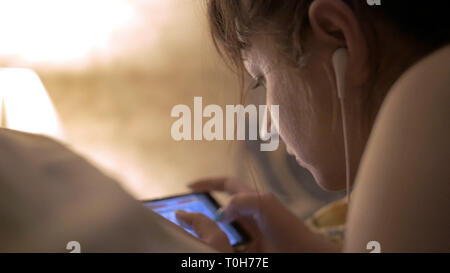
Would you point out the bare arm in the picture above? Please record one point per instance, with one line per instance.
(402, 196)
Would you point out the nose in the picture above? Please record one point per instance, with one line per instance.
(269, 126)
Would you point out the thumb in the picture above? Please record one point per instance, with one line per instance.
(206, 229)
(246, 204)
(197, 222)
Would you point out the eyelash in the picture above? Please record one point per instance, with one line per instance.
(260, 81)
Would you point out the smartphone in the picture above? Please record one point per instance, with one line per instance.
(201, 202)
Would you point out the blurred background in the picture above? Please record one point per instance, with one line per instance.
(110, 72)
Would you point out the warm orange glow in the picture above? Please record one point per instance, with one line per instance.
(60, 30)
(26, 105)
(114, 69)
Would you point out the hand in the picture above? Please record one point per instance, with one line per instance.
(206, 229)
(272, 227)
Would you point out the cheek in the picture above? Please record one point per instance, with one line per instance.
(309, 119)
(296, 115)
(307, 116)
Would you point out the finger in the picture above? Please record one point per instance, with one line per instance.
(206, 229)
(224, 184)
(210, 184)
(246, 204)
(201, 224)
(183, 219)
(249, 225)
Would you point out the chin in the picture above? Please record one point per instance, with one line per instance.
(331, 181)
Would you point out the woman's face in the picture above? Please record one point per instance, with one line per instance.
(310, 120)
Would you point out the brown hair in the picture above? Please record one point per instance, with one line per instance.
(424, 26)
(232, 23)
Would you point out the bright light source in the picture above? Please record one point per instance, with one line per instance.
(60, 30)
(26, 105)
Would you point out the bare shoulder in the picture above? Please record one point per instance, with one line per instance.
(402, 192)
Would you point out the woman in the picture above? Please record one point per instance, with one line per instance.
(388, 136)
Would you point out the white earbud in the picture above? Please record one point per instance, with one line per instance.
(339, 61)
(340, 64)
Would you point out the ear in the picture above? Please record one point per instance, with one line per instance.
(334, 23)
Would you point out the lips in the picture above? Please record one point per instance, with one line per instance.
(292, 153)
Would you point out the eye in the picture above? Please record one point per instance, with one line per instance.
(259, 82)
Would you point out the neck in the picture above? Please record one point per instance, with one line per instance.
(355, 136)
